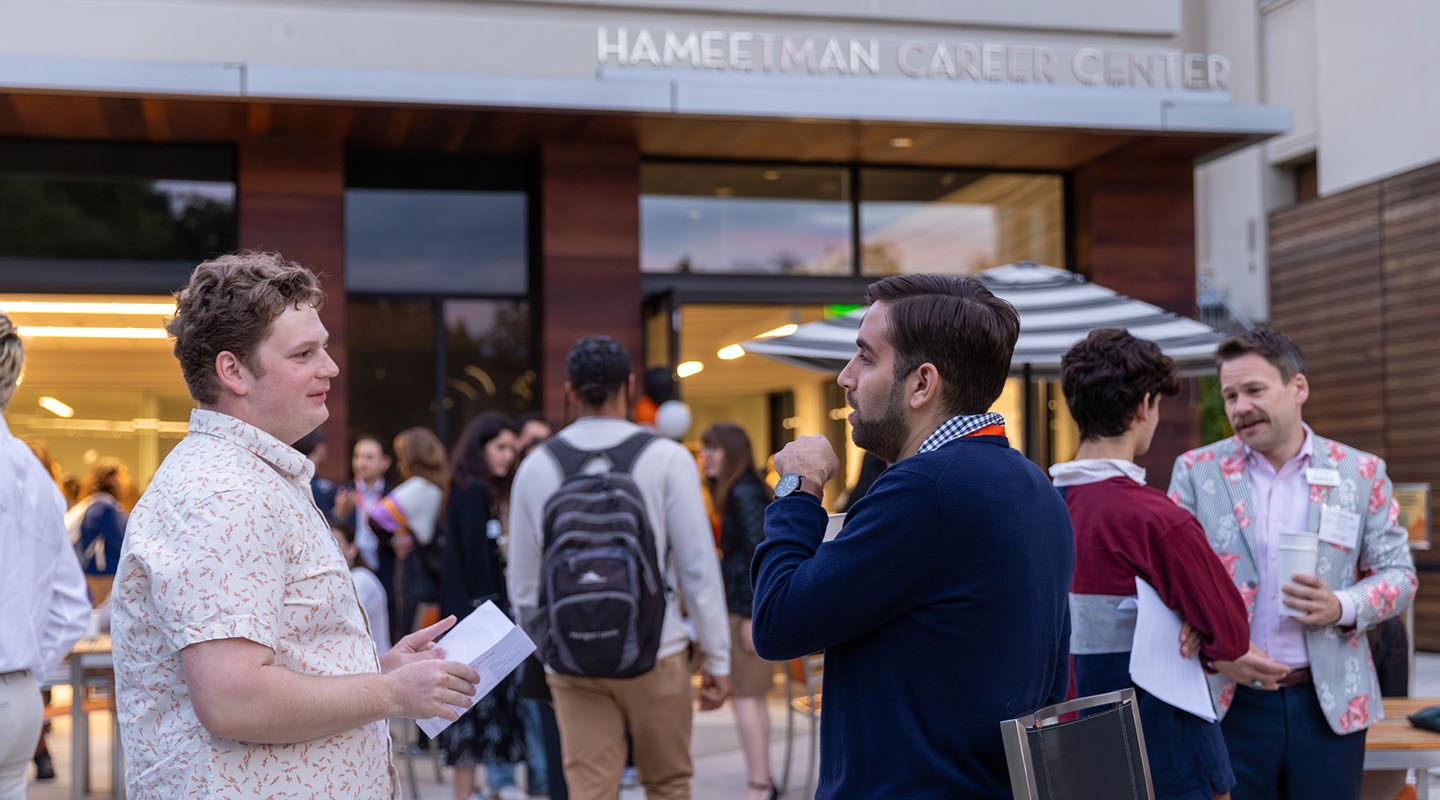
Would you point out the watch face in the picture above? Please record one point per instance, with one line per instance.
(787, 484)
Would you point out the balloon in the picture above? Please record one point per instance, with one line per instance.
(672, 419)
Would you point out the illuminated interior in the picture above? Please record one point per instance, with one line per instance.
(100, 380)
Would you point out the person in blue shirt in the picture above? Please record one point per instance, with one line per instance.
(942, 604)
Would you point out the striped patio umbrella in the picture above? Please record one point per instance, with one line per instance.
(1057, 309)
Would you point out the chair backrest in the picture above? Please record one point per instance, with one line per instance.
(1091, 748)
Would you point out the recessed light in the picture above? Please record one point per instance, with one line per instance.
(687, 368)
(56, 407)
(902, 142)
(771, 174)
(724, 191)
(730, 352)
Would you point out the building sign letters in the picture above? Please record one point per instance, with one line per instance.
(744, 51)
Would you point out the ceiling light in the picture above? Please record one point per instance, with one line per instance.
(687, 368)
(54, 406)
(902, 142)
(783, 330)
(730, 352)
(66, 307)
(51, 332)
(771, 174)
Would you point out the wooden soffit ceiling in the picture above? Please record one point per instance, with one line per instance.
(445, 129)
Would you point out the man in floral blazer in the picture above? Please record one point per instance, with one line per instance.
(1301, 736)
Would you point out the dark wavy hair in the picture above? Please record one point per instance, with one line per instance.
(228, 305)
(1264, 341)
(1107, 374)
(467, 459)
(956, 324)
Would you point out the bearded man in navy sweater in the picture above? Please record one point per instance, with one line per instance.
(942, 604)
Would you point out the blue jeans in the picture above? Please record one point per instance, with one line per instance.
(535, 766)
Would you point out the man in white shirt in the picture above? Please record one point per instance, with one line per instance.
(43, 602)
(243, 663)
(594, 713)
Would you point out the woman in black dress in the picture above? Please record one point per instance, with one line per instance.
(491, 732)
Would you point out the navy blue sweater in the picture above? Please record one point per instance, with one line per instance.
(942, 608)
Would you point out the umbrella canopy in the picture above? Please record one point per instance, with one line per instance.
(1057, 309)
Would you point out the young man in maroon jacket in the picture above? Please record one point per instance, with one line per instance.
(1124, 529)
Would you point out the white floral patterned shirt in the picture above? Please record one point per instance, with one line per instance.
(227, 543)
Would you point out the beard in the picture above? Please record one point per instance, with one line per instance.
(884, 435)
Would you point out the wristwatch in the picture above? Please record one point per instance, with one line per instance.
(791, 482)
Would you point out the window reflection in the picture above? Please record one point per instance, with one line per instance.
(413, 240)
(68, 200)
(392, 366)
(958, 221)
(745, 219)
(488, 362)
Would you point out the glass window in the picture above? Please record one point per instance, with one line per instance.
(958, 221)
(441, 241)
(745, 219)
(488, 362)
(63, 200)
(392, 366)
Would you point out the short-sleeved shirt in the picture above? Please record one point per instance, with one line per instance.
(227, 543)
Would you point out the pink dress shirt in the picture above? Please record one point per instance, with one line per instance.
(1281, 502)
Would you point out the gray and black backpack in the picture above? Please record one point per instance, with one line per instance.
(602, 592)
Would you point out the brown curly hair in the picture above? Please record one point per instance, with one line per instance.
(1107, 374)
(228, 305)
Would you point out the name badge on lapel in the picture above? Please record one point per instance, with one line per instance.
(1339, 527)
(1319, 476)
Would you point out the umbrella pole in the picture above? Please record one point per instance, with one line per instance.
(1030, 433)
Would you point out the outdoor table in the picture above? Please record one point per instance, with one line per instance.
(1393, 743)
(91, 656)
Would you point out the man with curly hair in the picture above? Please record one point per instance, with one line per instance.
(1113, 385)
(243, 661)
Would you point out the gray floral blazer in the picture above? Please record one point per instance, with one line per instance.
(1213, 483)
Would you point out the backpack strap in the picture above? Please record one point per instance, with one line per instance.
(572, 459)
(623, 455)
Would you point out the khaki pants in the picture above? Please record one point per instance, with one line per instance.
(21, 714)
(593, 714)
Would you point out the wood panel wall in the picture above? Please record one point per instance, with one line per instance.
(590, 255)
(1355, 280)
(1135, 233)
(292, 200)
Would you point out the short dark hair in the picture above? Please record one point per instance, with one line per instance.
(1264, 341)
(956, 324)
(228, 304)
(1107, 374)
(597, 367)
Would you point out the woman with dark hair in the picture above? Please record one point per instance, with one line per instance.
(491, 732)
(740, 497)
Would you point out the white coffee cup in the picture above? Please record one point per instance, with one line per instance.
(833, 526)
(1292, 559)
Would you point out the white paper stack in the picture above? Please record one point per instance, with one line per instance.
(491, 644)
(1155, 662)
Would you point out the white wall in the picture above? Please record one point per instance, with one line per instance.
(1230, 200)
(543, 38)
(1378, 74)
(1290, 76)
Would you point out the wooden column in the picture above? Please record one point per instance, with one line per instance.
(1135, 233)
(590, 257)
(292, 201)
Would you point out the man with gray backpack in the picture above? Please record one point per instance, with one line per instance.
(607, 524)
